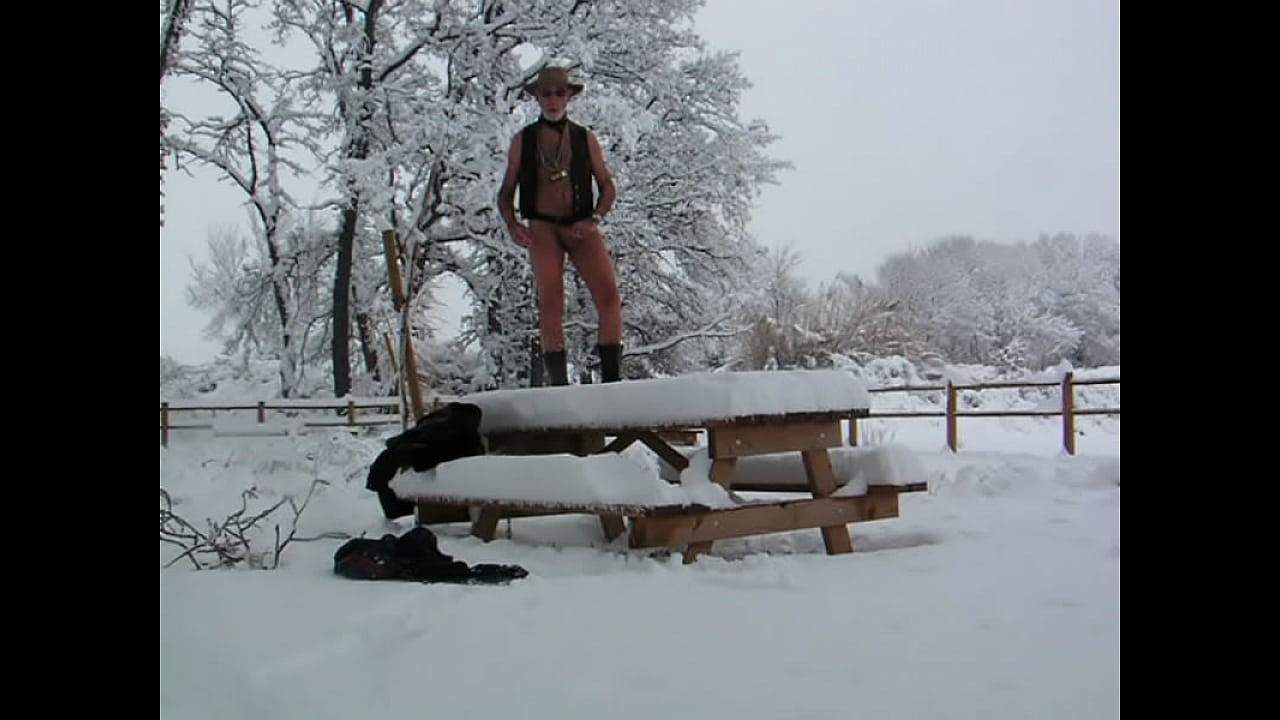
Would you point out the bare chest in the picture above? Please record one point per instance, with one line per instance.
(554, 154)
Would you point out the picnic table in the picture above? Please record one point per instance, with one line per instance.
(766, 433)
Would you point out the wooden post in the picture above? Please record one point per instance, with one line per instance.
(1068, 415)
(393, 268)
(262, 411)
(164, 424)
(410, 363)
(391, 355)
(411, 372)
(853, 432)
(351, 413)
(395, 369)
(952, 429)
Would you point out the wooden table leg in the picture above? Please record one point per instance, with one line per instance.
(693, 550)
(485, 526)
(722, 475)
(613, 526)
(722, 471)
(822, 482)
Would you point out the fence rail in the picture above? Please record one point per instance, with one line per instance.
(371, 412)
(355, 412)
(953, 413)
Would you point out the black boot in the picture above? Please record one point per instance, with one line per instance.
(557, 369)
(610, 362)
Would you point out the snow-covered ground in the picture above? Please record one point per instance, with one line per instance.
(996, 594)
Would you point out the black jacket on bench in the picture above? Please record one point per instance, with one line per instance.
(449, 433)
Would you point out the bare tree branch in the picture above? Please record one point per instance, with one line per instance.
(229, 542)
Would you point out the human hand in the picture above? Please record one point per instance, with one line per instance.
(520, 235)
(583, 229)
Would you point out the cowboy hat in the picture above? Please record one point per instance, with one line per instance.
(551, 76)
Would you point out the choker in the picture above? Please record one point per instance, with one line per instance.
(554, 125)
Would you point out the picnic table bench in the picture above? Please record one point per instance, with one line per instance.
(556, 450)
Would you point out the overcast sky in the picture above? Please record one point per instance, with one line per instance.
(906, 120)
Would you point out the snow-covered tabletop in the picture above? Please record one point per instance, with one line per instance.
(686, 400)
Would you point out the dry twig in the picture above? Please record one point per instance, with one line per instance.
(229, 542)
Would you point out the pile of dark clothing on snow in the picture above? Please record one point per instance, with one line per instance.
(414, 556)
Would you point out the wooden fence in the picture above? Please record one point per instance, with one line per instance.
(367, 412)
(952, 412)
(279, 416)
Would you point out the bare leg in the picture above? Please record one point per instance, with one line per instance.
(591, 258)
(547, 257)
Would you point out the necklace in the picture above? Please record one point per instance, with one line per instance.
(557, 166)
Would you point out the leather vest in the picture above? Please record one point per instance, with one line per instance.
(584, 201)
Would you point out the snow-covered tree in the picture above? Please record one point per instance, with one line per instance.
(791, 325)
(860, 320)
(365, 62)
(774, 334)
(174, 15)
(1082, 276)
(941, 287)
(241, 286)
(686, 169)
(1015, 306)
(253, 142)
(422, 99)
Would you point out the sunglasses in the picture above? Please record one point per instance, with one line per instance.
(557, 92)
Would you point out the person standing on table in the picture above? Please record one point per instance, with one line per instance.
(553, 162)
